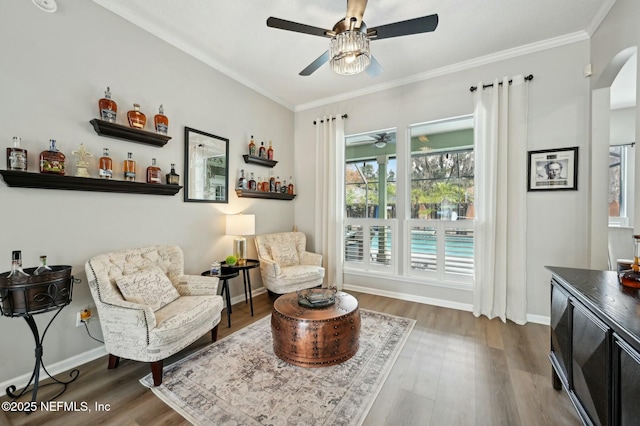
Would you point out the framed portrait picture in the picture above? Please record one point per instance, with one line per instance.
(553, 169)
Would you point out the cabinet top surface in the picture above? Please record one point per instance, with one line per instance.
(601, 291)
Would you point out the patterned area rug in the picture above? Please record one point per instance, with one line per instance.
(239, 380)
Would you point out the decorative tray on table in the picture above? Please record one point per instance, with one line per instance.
(317, 297)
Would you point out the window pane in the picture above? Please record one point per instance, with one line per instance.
(423, 248)
(458, 247)
(615, 180)
(380, 243)
(353, 243)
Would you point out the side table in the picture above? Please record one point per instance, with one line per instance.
(250, 264)
(224, 275)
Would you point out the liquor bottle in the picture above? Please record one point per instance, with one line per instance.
(259, 184)
(270, 151)
(16, 156)
(252, 182)
(17, 274)
(290, 187)
(173, 178)
(154, 174)
(277, 184)
(272, 182)
(262, 153)
(106, 165)
(631, 277)
(161, 122)
(137, 120)
(43, 268)
(129, 168)
(283, 188)
(242, 182)
(108, 109)
(252, 147)
(265, 185)
(52, 161)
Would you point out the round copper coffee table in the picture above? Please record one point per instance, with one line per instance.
(315, 337)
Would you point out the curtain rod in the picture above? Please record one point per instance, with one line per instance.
(484, 86)
(333, 118)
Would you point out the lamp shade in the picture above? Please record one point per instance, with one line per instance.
(241, 224)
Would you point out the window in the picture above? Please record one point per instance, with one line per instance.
(620, 177)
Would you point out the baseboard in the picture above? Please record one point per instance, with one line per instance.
(538, 319)
(55, 368)
(411, 298)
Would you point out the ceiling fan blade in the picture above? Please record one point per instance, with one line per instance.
(355, 9)
(374, 69)
(315, 64)
(296, 27)
(411, 26)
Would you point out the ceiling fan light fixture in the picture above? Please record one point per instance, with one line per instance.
(350, 53)
(380, 144)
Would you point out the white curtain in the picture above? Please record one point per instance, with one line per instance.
(500, 288)
(329, 199)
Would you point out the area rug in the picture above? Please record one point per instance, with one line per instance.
(240, 381)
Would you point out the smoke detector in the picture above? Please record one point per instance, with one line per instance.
(48, 6)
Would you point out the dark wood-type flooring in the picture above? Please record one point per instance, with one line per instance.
(455, 369)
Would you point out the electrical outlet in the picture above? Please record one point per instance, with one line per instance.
(83, 316)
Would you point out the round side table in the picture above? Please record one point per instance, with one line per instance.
(250, 264)
(224, 275)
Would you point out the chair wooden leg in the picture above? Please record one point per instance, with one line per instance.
(113, 362)
(214, 333)
(156, 371)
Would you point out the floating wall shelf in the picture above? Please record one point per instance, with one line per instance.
(118, 131)
(252, 159)
(50, 181)
(261, 194)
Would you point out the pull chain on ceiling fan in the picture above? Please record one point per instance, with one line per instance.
(349, 51)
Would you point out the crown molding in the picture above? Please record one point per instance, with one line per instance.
(460, 66)
(187, 48)
(601, 13)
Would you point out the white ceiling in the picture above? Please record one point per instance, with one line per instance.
(232, 37)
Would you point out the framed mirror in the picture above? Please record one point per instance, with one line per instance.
(206, 167)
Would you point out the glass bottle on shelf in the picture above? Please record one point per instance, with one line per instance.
(272, 182)
(290, 186)
(106, 165)
(252, 147)
(108, 109)
(262, 153)
(259, 184)
(270, 151)
(52, 161)
(252, 182)
(17, 275)
(154, 174)
(129, 168)
(277, 184)
(137, 120)
(283, 188)
(242, 182)
(43, 268)
(173, 178)
(16, 156)
(631, 277)
(161, 122)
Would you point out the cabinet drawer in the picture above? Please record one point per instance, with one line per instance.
(627, 389)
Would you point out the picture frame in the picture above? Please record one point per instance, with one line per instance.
(206, 167)
(553, 170)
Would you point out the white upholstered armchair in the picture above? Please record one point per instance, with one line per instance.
(148, 309)
(285, 265)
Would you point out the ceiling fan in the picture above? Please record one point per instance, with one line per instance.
(382, 139)
(349, 51)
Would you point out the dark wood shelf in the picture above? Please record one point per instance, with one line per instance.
(243, 193)
(118, 131)
(51, 181)
(252, 159)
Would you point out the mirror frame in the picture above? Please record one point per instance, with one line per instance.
(194, 139)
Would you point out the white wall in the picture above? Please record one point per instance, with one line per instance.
(53, 70)
(558, 117)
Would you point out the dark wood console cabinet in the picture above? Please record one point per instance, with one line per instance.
(595, 345)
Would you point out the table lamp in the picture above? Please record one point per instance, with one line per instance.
(240, 225)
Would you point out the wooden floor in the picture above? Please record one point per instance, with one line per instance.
(455, 369)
